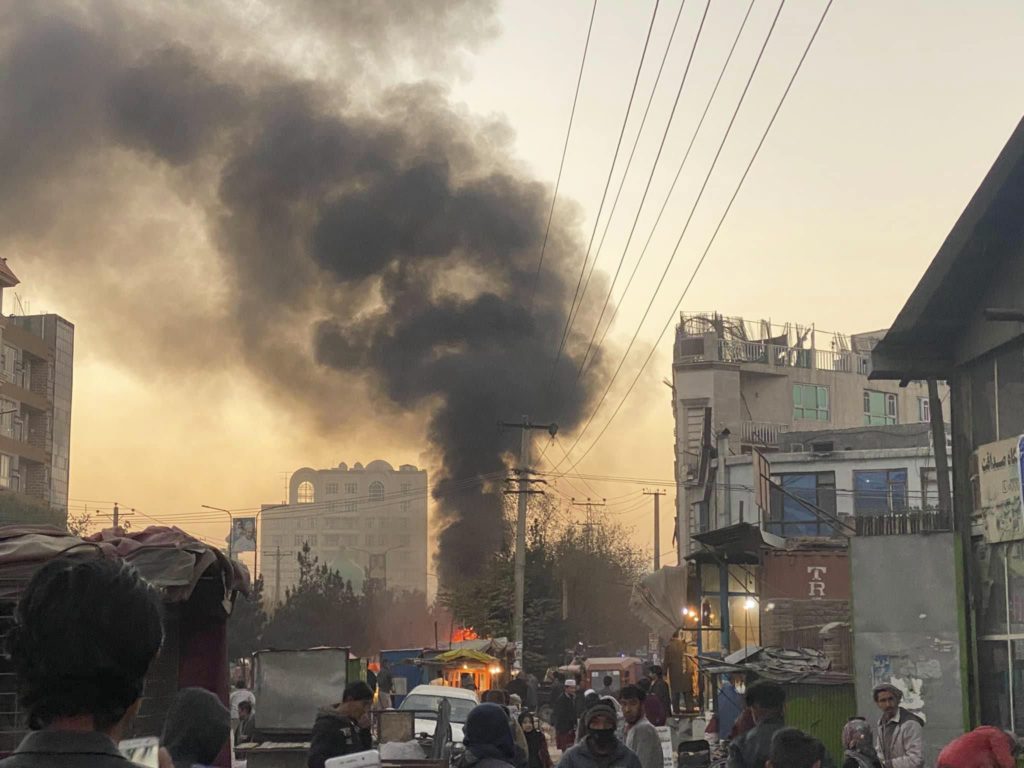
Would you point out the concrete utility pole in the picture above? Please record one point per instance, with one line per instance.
(277, 555)
(523, 493)
(657, 494)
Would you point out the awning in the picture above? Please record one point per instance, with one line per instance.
(740, 543)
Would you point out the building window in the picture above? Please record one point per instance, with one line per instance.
(810, 402)
(405, 507)
(5, 471)
(924, 410)
(383, 523)
(376, 491)
(371, 540)
(382, 540)
(331, 489)
(789, 516)
(929, 488)
(305, 494)
(350, 507)
(369, 523)
(880, 408)
(879, 492)
(347, 523)
(406, 487)
(351, 488)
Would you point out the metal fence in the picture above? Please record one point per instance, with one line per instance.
(904, 523)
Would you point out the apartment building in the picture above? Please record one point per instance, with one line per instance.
(36, 374)
(370, 519)
(757, 383)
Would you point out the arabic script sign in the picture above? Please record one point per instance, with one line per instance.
(999, 473)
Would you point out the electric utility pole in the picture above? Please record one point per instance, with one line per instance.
(589, 525)
(523, 492)
(277, 555)
(657, 494)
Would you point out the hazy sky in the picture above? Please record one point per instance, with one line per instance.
(896, 116)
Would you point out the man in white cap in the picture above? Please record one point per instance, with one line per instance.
(564, 717)
(899, 737)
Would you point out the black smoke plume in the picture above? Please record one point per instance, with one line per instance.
(366, 234)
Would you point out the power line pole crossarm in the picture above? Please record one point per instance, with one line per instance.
(657, 494)
(520, 556)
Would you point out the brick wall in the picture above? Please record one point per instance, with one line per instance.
(797, 623)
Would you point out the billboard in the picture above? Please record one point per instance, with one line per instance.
(243, 535)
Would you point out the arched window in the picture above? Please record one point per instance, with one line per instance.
(306, 494)
(376, 491)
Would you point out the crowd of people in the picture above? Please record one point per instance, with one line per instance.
(87, 631)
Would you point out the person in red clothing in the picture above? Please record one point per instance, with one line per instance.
(984, 747)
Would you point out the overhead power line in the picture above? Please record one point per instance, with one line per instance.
(711, 241)
(686, 225)
(661, 212)
(561, 163)
(604, 196)
(654, 166)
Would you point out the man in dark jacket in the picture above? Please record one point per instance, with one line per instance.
(86, 631)
(659, 688)
(342, 729)
(767, 702)
(601, 748)
(564, 717)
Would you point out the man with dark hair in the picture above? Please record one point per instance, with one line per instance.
(344, 728)
(607, 689)
(245, 732)
(767, 701)
(792, 748)
(196, 728)
(600, 748)
(641, 736)
(660, 689)
(85, 635)
(899, 736)
(385, 685)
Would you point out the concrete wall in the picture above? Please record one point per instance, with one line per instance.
(906, 628)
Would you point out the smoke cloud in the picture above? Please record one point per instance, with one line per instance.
(348, 233)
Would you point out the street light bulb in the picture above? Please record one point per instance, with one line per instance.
(750, 604)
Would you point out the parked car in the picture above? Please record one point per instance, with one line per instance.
(424, 700)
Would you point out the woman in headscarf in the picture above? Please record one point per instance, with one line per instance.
(536, 743)
(488, 738)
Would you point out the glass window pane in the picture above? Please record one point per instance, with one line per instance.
(822, 397)
(870, 493)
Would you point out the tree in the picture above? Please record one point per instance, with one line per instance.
(80, 524)
(246, 624)
(578, 584)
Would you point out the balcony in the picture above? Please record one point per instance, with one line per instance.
(762, 433)
(776, 356)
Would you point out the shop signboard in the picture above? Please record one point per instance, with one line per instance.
(998, 468)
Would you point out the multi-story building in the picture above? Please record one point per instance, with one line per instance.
(373, 518)
(757, 383)
(36, 365)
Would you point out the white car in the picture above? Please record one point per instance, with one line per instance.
(426, 699)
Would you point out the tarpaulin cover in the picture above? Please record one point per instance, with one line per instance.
(171, 559)
(658, 599)
(463, 654)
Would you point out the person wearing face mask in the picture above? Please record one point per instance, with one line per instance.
(601, 748)
(536, 743)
